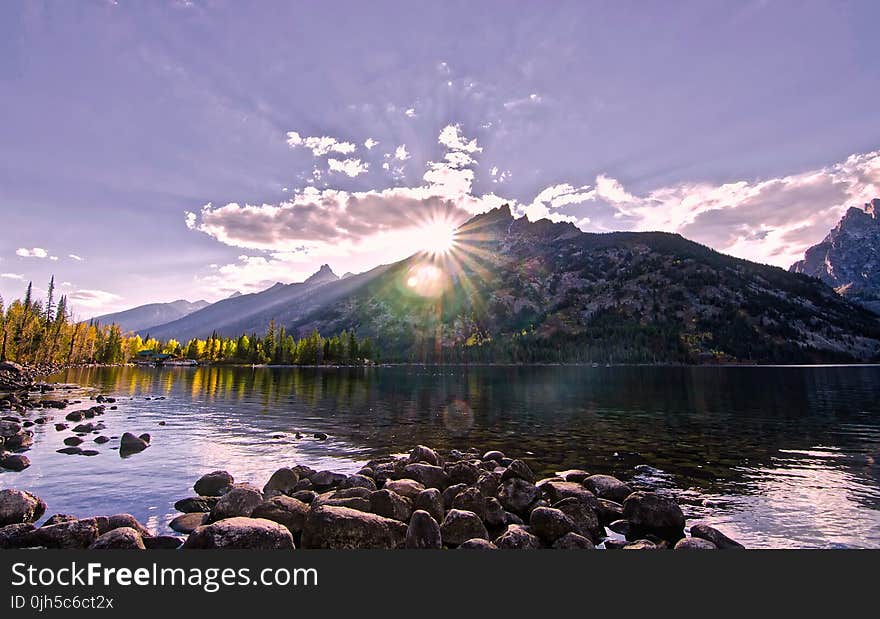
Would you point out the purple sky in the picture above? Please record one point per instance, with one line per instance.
(159, 150)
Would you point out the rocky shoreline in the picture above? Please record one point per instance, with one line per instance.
(426, 500)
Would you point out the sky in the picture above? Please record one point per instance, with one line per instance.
(151, 151)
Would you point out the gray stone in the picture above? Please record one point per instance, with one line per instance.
(477, 543)
(19, 506)
(573, 541)
(550, 524)
(391, 505)
(654, 513)
(284, 510)
(213, 484)
(423, 531)
(517, 494)
(343, 528)
(694, 543)
(518, 537)
(240, 501)
(607, 487)
(241, 533)
(431, 501)
(282, 481)
(420, 453)
(408, 488)
(428, 475)
(459, 526)
(711, 534)
(122, 538)
(187, 523)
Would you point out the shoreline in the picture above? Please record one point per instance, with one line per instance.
(426, 500)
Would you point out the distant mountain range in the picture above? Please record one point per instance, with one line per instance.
(520, 291)
(848, 258)
(145, 316)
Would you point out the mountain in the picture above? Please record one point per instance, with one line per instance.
(520, 291)
(250, 313)
(145, 316)
(848, 259)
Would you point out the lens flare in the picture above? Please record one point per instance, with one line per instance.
(436, 237)
(426, 280)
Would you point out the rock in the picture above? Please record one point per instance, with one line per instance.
(74, 534)
(326, 479)
(74, 416)
(423, 454)
(73, 441)
(607, 487)
(9, 428)
(240, 501)
(614, 544)
(351, 498)
(621, 527)
(431, 501)
(694, 543)
(517, 537)
(196, 504)
(517, 494)
(59, 518)
(16, 535)
(241, 533)
(575, 475)
(130, 444)
(518, 469)
(408, 488)
(573, 541)
(85, 428)
(642, 544)
(284, 510)
(550, 524)
(477, 543)
(584, 518)
(711, 534)
(342, 528)
(20, 506)
(463, 473)
(471, 500)
(125, 520)
(213, 484)
(122, 538)
(423, 531)
(488, 484)
(14, 462)
(22, 440)
(556, 491)
(608, 511)
(321, 436)
(282, 481)
(70, 451)
(187, 523)
(459, 526)
(496, 456)
(358, 481)
(61, 426)
(493, 514)
(390, 505)
(451, 492)
(306, 496)
(428, 475)
(654, 513)
(163, 542)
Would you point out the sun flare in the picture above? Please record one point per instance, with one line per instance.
(437, 237)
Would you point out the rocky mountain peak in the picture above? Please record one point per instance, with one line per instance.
(323, 275)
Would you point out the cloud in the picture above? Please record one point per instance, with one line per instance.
(351, 167)
(369, 143)
(451, 137)
(410, 113)
(401, 153)
(532, 99)
(92, 299)
(320, 146)
(75, 257)
(14, 276)
(35, 252)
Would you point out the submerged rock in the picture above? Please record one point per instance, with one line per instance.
(196, 504)
(187, 523)
(716, 537)
(14, 462)
(130, 444)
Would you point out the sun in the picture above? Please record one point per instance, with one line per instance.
(436, 237)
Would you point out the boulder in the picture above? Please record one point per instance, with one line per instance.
(196, 504)
(408, 488)
(573, 541)
(70, 451)
(14, 462)
(451, 492)
(622, 527)
(75, 534)
(343, 528)
(641, 544)
(284, 510)
(9, 428)
(607, 487)
(584, 517)
(608, 511)
(694, 543)
(431, 501)
(420, 453)
(518, 469)
(163, 542)
(187, 523)
(125, 521)
(711, 534)
(239, 501)
(550, 524)
(241, 533)
(16, 535)
(20, 506)
(428, 475)
(122, 538)
(282, 481)
(517, 537)
(516, 494)
(471, 500)
(130, 444)
(358, 481)
(326, 479)
(459, 526)
(390, 505)
(73, 441)
(306, 496)
(22, 440)
(477, 543)
(423, 531)
(488, 484)
(575, 475)
(495, 456)
(463, 473)
(213, 484)
(654, 513)
(556, 491)
(59, 518)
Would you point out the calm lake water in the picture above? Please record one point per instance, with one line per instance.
(773, 456)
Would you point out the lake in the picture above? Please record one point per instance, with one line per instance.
(773, 456)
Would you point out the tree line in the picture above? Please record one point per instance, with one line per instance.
(43, 332)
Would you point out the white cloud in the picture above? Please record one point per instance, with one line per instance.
(401, 153)
(351, 167)
(92, 299)
(451, 137)
(191, 219)
(410, 113)
(35, 252)
(75, 257)
(369, 143)
(320, 146)
(15, 276)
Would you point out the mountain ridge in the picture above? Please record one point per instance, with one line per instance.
(151, 314)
